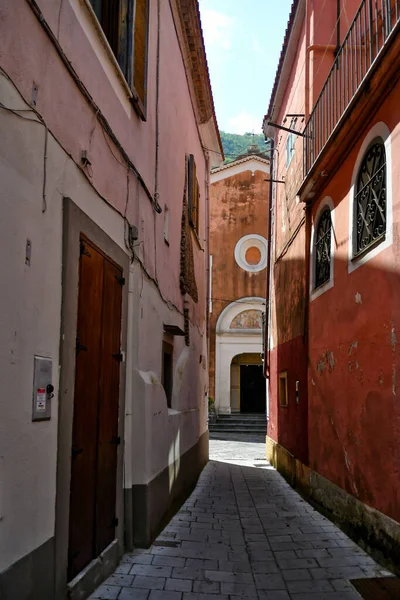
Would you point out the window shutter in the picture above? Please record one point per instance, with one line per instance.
(140, 51)
(191, 186)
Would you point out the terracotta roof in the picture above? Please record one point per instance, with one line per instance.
(286, 39)
(189, 13)
(239, 161)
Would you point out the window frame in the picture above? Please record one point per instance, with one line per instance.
(357, 251)
(290, 142)
(124, 53)
(168, 385)
(325, 204)
(379, 130)
(193, 195)
(283, 395)
(325, 211)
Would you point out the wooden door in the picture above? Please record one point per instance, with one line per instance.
(95, 423)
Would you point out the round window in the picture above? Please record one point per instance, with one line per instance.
(253, 256)
(251, 253)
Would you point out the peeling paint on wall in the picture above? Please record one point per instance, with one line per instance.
(393, 338)
(352, 346)
(358, 298)
(394, 380)
(353, 365)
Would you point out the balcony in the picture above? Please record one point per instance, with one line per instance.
(374, 26)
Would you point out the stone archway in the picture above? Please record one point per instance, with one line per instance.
(238, 331)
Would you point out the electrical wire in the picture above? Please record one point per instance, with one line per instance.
(18, 113)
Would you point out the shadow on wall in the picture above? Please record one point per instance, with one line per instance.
(345, 421)
(154, 504)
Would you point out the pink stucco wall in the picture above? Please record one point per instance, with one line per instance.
(28, 56)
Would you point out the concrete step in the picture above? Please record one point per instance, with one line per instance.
(216, 429)
(240, 423)
(243, 416)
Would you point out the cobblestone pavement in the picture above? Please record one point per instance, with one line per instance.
(244, 532)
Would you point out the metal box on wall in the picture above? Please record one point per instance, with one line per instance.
(42, 388)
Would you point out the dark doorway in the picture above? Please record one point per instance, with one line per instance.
(92, 516)
(252, 389)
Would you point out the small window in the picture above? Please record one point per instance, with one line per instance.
(283, 389)
(323, 249)
(193, 194)
(167, 372)
(370, 198)
(125, 25)
(290, 143)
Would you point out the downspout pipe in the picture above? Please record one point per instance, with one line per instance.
(208, 295)
(338, 11)
(268, 288)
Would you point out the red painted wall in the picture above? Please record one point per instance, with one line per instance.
(354, 408)
(287, 425)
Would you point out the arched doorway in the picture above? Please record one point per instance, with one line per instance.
(238, 333)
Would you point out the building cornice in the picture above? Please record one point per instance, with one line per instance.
(196, 61)
(245, 159)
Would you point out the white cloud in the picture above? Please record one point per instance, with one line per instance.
(218, 29)
(244, 123)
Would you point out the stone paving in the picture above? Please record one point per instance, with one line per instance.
(244, 532)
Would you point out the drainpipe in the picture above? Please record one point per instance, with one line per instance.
(207, 257)
(269, 267)
(207, 248)
(307, 70)
(128, 464)
(337, 27)
(306, 332)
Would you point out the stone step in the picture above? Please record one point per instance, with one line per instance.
(239, 424)
(244, 417)
(245, 430)
(238, 421)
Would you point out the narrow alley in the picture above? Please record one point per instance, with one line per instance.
(244, 532)
(200, 303)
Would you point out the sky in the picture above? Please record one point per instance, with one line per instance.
(243, 41)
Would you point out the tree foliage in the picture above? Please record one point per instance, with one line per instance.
(234, 144)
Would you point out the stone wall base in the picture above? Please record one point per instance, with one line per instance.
(378, 534)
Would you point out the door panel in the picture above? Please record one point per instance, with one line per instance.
(84, 435)
(108, 408)
(95, 423)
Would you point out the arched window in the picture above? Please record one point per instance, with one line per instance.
(323, 248)
(370, 197)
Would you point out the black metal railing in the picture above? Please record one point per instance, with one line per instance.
(373, 23)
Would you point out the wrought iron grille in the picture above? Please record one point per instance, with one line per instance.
(375, 21)
(370, 198)
(323, 249)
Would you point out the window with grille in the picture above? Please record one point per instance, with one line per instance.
(370, 198)
(125, 25)
(290, 143)
(193, 194)
(323, 249)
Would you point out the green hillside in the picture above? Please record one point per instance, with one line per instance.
(235, 144)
